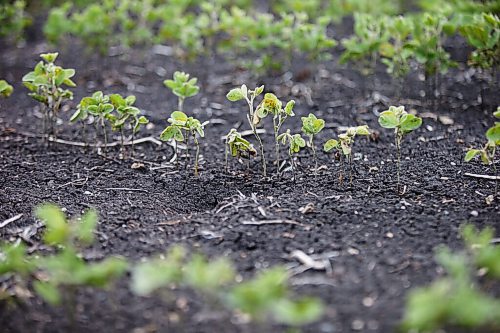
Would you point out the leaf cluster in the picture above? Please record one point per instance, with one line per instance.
(312, 125)
(401, 121)
(457, 300)
(180, 122)
(5, 88)
(487, 153)
(182, 85)
(265, 296)
(346, 140)
(47, 79)
(238, 146)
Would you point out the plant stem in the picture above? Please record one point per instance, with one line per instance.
(277, 146)
(188, 155)
(350, 169)
(197, 155)
(398, 151)
(292, 164)
(105, 135)
(181, 103)
(341, 172)
(311, 143)
(226, 151)
(254, 131)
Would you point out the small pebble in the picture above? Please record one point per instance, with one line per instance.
(87, 193)
(474, 213)
(357, 325)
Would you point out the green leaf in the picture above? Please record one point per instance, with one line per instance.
(299, 312)
(48, 292)
(493, 134)
(49, 57)
(259, 90)
(58, 231)
(5, 88)
(471, 154)
(410, 122)
(235, 95)
(85, 229)
(362, 130)
(388, 119)
(289, 108)
(330, 144)
(172, 132)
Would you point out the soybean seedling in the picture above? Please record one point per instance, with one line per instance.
(183, 87)
(238, 147)
(487, 153)
(310, 127)
(126, 115)
(179, 121)
(295, 143)
(271, 104)
(98, 106)
(5, 88)
(45, 83)
(253, 118)
(344, 146)
(64, 271)
(395, 53)
(403, 123)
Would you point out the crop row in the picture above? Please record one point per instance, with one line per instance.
(49, 84)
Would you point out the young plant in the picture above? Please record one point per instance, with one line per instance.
(272, 105)
(238, 147)
(311, 126)
(403, 124)
(99, 106)
(427, 46)
(363, 47)
(458, 300)
(127, 116)
(395, 53)
(45, 83)
(483, 33)
(295, 143)
(344, 146)
(253, 118)
(179, 122)
(63, 272)
(5, 88)
(263, 297)
(488, 152)
(183, 87)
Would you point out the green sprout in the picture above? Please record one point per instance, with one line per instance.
(396, 54)
(99, 106)
(311, 126)
(364, 45)
(457, 299)
(487, 153)
(427, 46)
(403, 124)
(295, 144)
(344, 146)
(65, 271)
(238, 147)
(183, 87)
(179, 122)
(127, 116)
(45, 83)
(5, 88)
(253, 118)
(272, 105)
(483, 33)
(266, 296)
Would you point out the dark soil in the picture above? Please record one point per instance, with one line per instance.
(380, 245)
